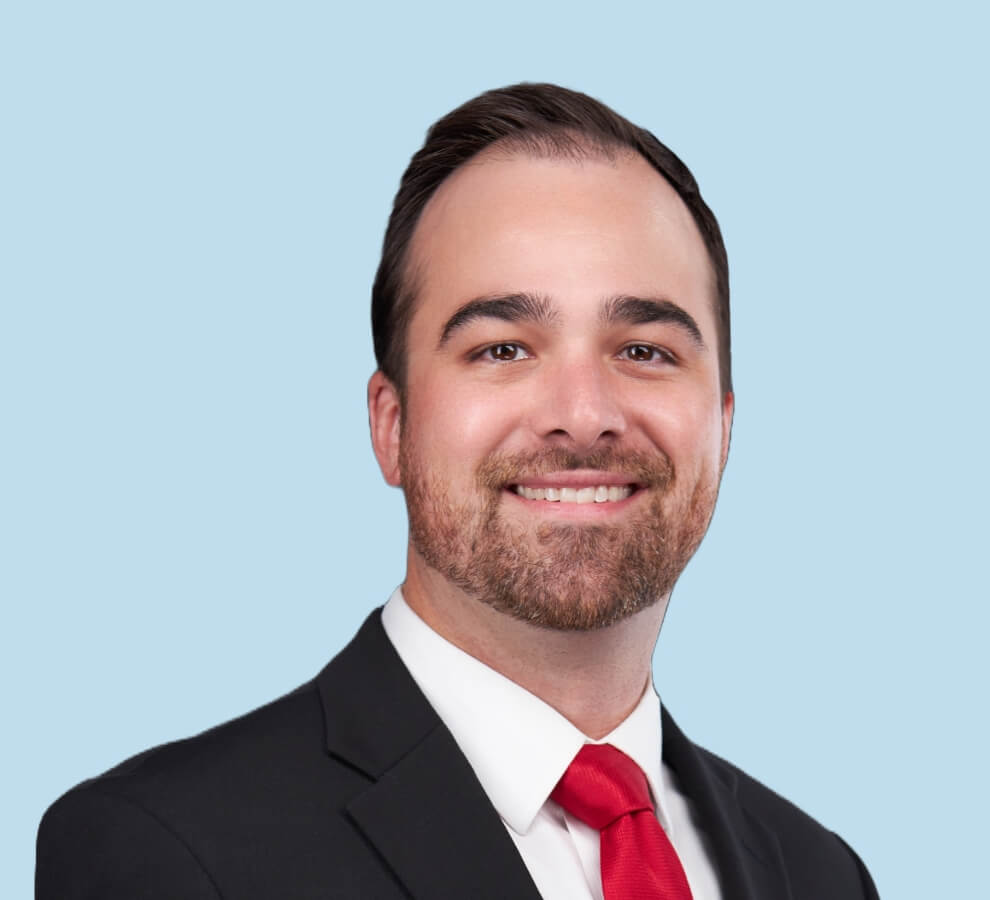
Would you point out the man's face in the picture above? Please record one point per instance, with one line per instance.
(563, 431)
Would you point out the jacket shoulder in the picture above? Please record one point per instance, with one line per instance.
(811, 852)
(88, 840)
(239, 749)
(180, 818)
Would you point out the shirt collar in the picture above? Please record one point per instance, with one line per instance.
(517, 745)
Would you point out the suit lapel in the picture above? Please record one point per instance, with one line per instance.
(748, 855)
(416, 817)
(428, 817)
(424, 811)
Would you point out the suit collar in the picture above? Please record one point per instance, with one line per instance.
(748, 855)
(373, 711)
(423, 810)
(517, 744)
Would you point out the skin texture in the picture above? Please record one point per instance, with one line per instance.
(565, 599)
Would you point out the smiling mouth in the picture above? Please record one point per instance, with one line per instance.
(602, 493)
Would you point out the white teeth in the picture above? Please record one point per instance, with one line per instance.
(601, 494)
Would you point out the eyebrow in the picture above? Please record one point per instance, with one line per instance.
(533, 308)
(505, 307)
(647, 310)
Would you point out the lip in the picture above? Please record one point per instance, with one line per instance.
(578, 478)
(578, 512)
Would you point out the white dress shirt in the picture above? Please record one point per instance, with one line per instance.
(520, 746)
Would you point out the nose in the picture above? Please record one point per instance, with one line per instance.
(578, 405)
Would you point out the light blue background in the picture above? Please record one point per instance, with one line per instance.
(192, 202)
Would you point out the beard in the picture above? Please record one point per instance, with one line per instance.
(557, 575)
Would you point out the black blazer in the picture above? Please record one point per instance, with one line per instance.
(351, 787)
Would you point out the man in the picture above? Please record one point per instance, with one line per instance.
(554, 398)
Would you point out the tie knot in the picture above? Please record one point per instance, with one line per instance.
(601, 785)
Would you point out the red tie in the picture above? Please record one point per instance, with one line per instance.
(605, 789)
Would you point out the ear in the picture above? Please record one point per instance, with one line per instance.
(385, 419)
(728, 409)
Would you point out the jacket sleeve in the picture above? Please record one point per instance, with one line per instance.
(96, 846)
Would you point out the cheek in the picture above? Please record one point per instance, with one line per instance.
(687, 428)
(460, 423)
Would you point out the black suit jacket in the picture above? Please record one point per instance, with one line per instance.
(351, 787)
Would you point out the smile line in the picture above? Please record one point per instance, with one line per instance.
(602, 493)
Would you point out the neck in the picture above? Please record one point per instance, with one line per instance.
(593, 678)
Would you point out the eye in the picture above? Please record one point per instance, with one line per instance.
(645, 353)
(505, 352)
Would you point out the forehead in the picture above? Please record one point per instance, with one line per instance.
(574, 230)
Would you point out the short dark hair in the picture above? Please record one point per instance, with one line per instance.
(546, 120)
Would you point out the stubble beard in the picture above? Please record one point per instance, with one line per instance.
(557, 575)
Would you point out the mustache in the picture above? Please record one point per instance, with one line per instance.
(647, 469)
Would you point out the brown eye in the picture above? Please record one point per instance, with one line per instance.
(505, 352)
(641, 353)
